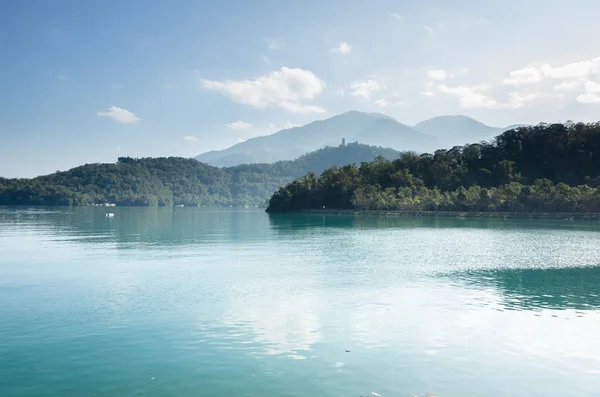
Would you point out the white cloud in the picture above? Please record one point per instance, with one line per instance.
(477, 97)
(536, 72)
(524, 76)
(428, 93)
(344, 48)
(340, 92)
(573, 70)
(190, 138)
(382, 102)
(568, 85)
(285, 88)
(395, 16)
(588, 98)
(295, 107)
(437, 74)
(274, 44)
(592, 87)
(364, 88)
(591, 95)
(62, 77)
(239, 125)
(517, 100)
(470, 96)
(240, 140)
(429, 30)
(121, 115)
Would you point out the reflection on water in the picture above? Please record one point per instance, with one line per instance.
(233, 302)
(575, 288)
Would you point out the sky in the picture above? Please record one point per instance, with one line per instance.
(90, 81)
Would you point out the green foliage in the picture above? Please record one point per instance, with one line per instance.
(175, 181)
(544, 168)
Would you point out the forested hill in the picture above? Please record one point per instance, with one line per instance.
(549, 167)
(173, 181)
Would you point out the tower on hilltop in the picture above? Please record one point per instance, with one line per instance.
(343, 141)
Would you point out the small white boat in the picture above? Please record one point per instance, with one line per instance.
(110, 215)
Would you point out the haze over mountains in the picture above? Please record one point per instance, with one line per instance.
(367, 128)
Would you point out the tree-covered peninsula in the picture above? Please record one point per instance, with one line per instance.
(177, 181)
(543, 168)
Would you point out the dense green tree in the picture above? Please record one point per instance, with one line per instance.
(549, 167)
(175, 181)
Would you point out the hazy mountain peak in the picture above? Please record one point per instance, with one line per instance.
(457, 129)
(353, 126)
(450, 119)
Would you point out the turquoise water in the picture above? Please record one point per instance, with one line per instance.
(195, 302)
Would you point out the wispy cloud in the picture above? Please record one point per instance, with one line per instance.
(343, 48)
(437, 74)
(190, 138)
(364, 88)
(239, 125)
(592, 93)
(568, 85)
(62, 77)
(537, 71)
(274, 44)
(478, 96)
(119, 114)
(588, 98)
(429, 30)
(470, 96)
(247, 130)
(382, 102)
(395, 16)
(286, 88)
(524, 76)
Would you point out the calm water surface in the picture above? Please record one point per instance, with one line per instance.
(195, 302)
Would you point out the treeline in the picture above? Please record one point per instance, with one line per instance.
(543, 168)
(175, 181)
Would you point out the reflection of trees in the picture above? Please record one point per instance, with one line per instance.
(153, 226)
(293, 221)
(575, 288)
(289, 222)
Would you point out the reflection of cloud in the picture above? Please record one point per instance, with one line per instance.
(283, 325)
(552, 334)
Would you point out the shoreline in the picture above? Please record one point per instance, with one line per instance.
(459, 214)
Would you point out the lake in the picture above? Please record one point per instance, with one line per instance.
(200, 302)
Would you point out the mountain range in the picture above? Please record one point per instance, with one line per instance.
(368, 128)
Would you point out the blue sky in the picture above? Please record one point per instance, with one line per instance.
(88, 81)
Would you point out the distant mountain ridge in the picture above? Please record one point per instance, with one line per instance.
(368, 128)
